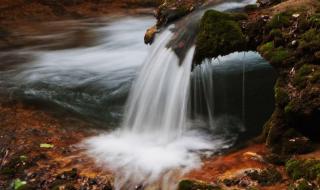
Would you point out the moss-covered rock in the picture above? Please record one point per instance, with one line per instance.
(315, 20)
(281, 96)
(172, 10)
(307, 169)
(309, 44)
(276, 56)
(294, 142)
(251, 7)
(220, 34)
(279, 21)
(301, 185)
(265, 177)
(276, 159)
(300, 78)
(196, 185)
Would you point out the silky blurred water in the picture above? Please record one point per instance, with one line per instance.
(173, 116)
(93, 81)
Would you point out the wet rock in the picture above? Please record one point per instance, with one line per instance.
(265, 177)
(170, 11)
(196, 185)
(219, 34)
(276, 159)
(253, 156)
(150, 35)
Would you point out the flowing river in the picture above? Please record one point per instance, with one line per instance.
(174, 116)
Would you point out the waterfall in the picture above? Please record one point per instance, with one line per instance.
(157, 142)
(155, 139)
(157, 103)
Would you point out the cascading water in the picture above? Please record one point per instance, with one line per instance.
(156, 137)
(173, 116)
(153, 138)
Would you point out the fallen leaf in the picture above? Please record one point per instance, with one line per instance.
(45, 145)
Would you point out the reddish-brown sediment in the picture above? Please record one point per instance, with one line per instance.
(217, 166)
(215, 170)
(23, 129)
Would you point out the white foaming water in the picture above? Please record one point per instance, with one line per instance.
(233, 5)
(153, 138)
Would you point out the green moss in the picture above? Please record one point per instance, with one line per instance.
(307, 169)
(311, 35)
(251, 7)
(281, 96)
(275, 33)
(265, 177)
(195, 185)
(266, 48)
(300, 79)
(278, 55)
(289, 109)
(314, 20)
(279, 21)
(220, 34)
(272, 54)
(310, 41)
(315, 78)
(239, 16)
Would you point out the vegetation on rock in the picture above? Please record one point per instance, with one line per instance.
(220, 34)
(265, 177)
(196, 185)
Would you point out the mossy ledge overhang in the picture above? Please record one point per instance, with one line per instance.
(287, 35)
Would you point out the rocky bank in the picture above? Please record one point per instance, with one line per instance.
(286, 34)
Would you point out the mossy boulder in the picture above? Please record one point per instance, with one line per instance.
(281, 95)
(314, 20)
(250, 8)
(309, 44)
(276, 56)
(303, 169)
(280, 20)
(266, 177)
(294, 142)
(303, 74)
(196, 185)
(172, 10)
(219, 34)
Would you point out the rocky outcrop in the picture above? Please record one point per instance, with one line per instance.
(220, 34)
(170, 11)
(289, 38)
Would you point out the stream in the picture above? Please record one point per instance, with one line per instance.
(160, 119)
